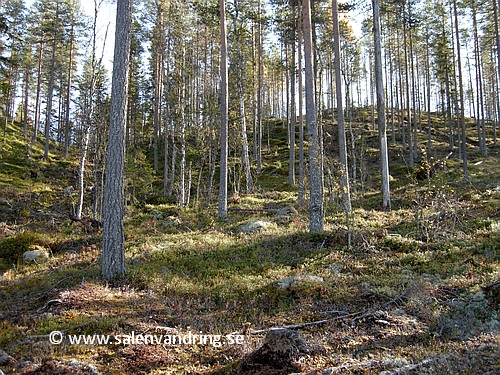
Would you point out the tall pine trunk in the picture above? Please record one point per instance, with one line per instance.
(245, 159)
(497, 43)
(461, 97)
(379, 82)
(344, 173)
(260, 93)
(315, 177)
(68, 93)
(48, 113)
(301, 192)
(113, 254)
(293, 116)
(222, 209)
(38, 103)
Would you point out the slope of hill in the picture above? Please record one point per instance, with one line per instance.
(416, 292)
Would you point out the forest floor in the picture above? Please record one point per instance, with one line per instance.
(416, 292)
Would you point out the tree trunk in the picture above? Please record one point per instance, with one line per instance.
(158, 39)
(384, 159)
(113, 254)
(407, 86)
(316, 194)
(48, 113)
(88, 117)
(260, 93)
(222, 209)
(461, 91)
(481, 133)
(38, 103)
(293, 116)
(26, 102)
(170, 191)
(301, 192)
(245, 159)
(497, 43)
(68, 94)
(344, 173)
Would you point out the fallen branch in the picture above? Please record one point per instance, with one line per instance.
(358, 314)
(407, 369)
(30, 338)
(51, 302)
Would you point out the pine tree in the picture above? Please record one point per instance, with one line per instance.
(113, 254)
(222, 212)
(315, 157)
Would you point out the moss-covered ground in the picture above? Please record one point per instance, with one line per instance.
(407, 289)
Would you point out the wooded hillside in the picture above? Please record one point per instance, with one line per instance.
(328, 169)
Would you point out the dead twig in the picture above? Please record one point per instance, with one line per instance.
(30, 338)
(355, 315)
(408, 369)
(51, 302)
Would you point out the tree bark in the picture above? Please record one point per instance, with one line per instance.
(113, 254)
(244, 138)
(497, 44)
(48, 113)
(461, 90)
(222, 209)
(68, 93)
(301, 192)
(344, 173)
(379, 82)
(260, 74)
(88, 116)
(293, 116)
(315, 185)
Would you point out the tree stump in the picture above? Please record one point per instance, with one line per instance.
(277, 355)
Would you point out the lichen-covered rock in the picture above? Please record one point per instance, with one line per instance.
(254, 226)
(36, 254)
(289, 282)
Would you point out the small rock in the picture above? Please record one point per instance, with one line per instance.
(286, 214)
(336, 268)
(83, 367)
(68, 190)
(36, 253)
(289, 282)
(254, 226)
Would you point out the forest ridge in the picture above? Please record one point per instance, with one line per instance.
(406, 63)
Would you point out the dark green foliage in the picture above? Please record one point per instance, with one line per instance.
(12, 248)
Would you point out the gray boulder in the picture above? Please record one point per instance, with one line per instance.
(254, 226)
(36, 254)
(289, 282)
